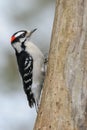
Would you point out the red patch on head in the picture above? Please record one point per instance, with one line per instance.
(12, 38)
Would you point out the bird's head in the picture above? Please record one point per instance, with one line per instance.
(19, 38)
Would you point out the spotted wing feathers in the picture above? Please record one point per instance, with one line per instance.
(26, 71)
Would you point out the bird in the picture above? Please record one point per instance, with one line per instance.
(31, 65)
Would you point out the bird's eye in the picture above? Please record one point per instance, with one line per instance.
(23, 35)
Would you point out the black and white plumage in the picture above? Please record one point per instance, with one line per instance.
(31, 64)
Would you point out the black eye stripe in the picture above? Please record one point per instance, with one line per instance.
(22, 35)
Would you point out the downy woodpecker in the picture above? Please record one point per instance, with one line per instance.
(31, 64)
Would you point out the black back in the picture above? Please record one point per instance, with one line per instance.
(25, 64)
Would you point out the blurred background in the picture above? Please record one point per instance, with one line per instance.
(15, 113)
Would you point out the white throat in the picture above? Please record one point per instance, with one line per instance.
(18, 47)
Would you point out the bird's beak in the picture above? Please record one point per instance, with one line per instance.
(30, 33)
(33, 30)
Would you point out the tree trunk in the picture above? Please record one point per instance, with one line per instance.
(64, 98)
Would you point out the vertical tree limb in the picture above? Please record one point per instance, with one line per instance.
(64, 98)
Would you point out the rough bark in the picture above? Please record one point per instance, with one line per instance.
(64, 98)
